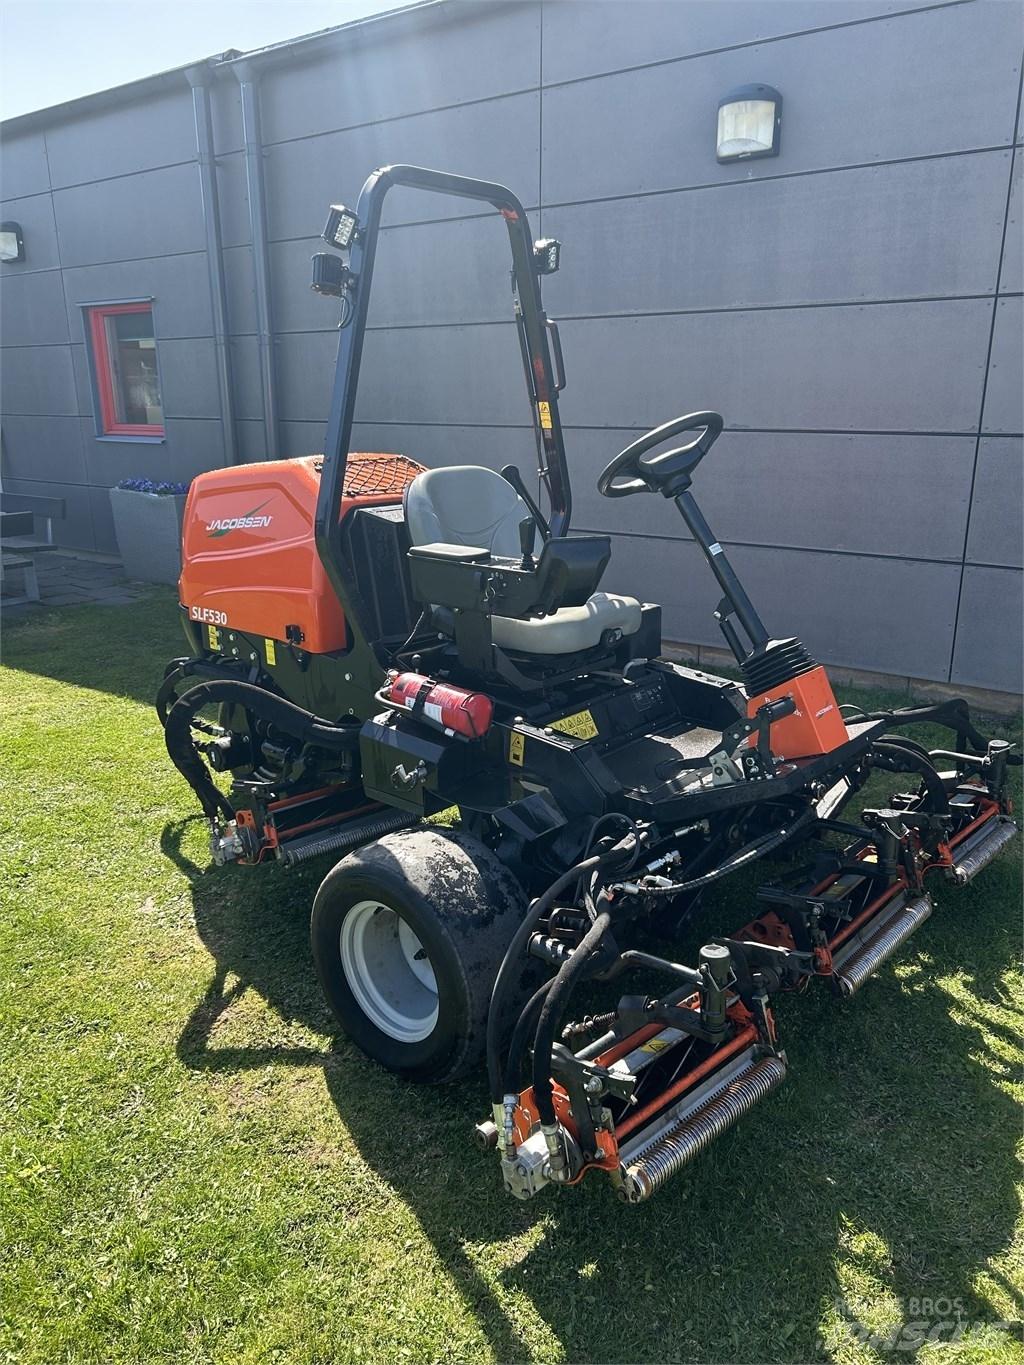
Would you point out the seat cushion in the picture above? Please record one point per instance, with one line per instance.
(570, 629)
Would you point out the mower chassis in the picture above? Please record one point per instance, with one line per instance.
(604, 792)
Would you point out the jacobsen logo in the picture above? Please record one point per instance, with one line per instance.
(220, 526)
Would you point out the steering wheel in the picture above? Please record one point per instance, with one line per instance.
(669, 473)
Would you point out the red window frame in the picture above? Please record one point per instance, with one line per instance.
(104, 374)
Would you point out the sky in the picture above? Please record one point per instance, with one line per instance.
(56, 50)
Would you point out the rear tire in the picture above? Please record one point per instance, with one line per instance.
(408, 934)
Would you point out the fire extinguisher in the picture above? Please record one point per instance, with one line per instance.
(453, 708)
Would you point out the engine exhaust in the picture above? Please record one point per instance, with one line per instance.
(866, 952)
(978, 850)
(696, 1125)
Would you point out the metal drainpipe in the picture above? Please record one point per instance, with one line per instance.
(248, 83)
(198, 79)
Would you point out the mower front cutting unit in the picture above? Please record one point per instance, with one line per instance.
(373, 643)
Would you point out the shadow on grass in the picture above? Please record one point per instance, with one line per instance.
(120, 650)
(886, 1160)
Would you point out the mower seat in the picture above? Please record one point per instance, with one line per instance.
(473, 506)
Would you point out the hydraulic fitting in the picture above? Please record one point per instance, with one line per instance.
(557, 1165)
(506, 1121)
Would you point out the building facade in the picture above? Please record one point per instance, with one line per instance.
(851, 306)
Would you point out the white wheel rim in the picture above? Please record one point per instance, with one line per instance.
(388, 971)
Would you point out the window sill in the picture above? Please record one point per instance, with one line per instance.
(132, 440)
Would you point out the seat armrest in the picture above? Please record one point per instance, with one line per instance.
(463, 554)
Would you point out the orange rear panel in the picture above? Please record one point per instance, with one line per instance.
(249, 557)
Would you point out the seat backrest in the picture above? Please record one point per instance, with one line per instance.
(465, 505)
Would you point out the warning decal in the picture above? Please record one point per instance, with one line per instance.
(580, 726)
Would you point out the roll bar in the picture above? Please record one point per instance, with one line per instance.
(533, 329)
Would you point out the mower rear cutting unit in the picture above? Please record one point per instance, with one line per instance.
(373, 643)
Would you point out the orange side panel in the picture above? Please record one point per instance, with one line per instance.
(815, 727)
(249, 558)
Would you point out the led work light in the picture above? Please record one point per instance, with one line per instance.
(341, 227)
(546, 255)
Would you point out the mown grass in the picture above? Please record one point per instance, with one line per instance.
(194, 1166)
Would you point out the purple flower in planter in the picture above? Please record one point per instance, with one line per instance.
(163, 488)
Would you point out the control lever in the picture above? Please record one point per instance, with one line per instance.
(527, 531)
(771, 711)
(512, 476)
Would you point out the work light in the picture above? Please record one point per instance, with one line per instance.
(341, 227)
(749, 123)
(330, 275)
(546, 255)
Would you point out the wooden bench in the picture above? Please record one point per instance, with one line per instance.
(26, 529)
(30, 580)
(26, 523)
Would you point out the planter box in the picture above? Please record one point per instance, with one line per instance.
(148, 527)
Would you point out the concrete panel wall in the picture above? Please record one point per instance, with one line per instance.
(110, 207)
(852, 307)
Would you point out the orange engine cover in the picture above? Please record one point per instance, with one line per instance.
(815, 727)
(249, 557)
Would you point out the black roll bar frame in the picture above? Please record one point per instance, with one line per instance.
(532, 326)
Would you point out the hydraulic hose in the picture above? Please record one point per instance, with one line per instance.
(552, 1010)
(511, 962)
(907, 758)
(757, 848)
(525, 1025)
(187, 668)
(293, 720)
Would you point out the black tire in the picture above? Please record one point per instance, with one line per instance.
(464, 906)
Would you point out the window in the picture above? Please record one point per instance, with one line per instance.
(125, 371)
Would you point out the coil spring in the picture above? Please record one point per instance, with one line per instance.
(672, 1150)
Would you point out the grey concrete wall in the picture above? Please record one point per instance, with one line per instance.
(110, 207)
(852, 307)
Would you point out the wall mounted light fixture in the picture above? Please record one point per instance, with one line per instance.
(12, 244)
(749, 123)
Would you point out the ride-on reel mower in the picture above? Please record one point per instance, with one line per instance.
(372, 644)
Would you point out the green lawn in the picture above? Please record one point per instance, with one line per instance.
(194, 1165)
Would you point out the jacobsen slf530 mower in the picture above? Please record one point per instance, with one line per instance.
(382, 643)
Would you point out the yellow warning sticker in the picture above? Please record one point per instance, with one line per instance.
(214, 635)
(656, 1045)
(516, 748)
(271, 652)
(544, 413)
(580, 726)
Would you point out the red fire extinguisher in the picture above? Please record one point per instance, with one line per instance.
(467, 713)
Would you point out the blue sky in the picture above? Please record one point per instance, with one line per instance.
(56, 50)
